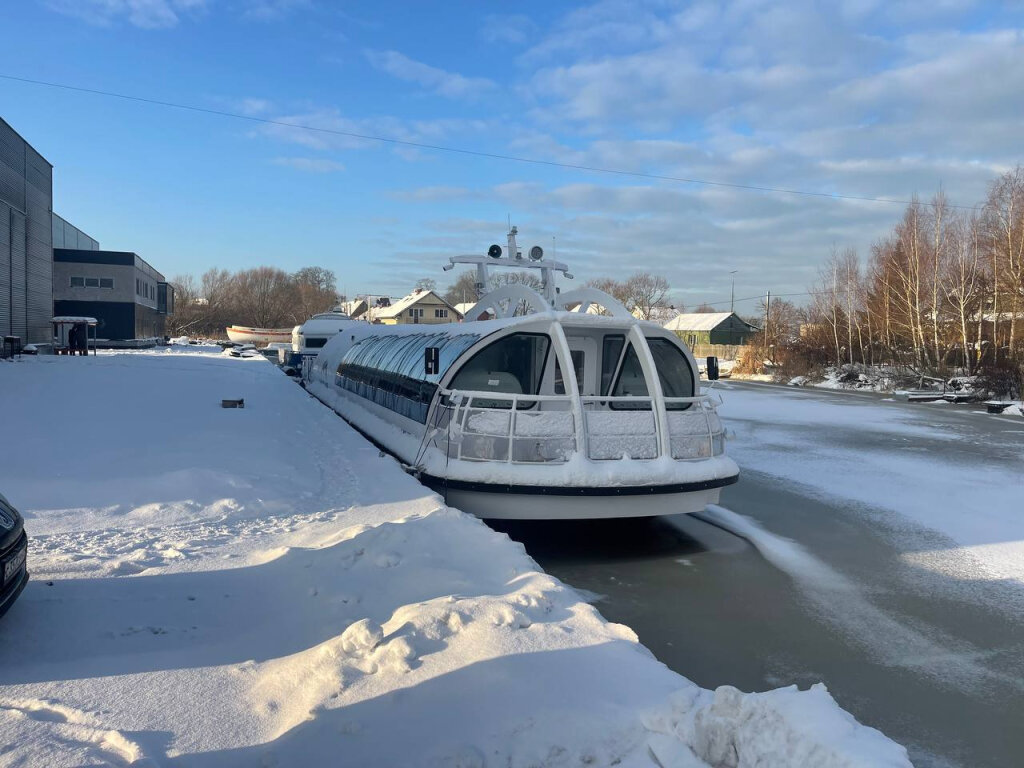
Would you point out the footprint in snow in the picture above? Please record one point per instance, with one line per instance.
(388, 560)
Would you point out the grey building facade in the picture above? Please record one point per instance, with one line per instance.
(129, 298)
(26, 248)
(67, 235)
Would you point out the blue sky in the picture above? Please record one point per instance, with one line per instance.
(857, 97)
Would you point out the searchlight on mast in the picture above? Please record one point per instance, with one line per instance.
(513, 257)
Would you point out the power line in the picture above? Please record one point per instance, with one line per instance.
(463, 151)
(761, 296)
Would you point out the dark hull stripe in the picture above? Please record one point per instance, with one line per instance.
(440, 483)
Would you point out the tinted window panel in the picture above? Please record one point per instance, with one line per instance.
(674, 371)
(389, 370)
(611, 351)
(511, 365)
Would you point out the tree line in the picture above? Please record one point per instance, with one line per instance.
(942, 291)
(263, 297)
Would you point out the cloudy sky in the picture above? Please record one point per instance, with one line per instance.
(862, 98)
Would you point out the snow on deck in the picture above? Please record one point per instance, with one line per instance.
(258, 586)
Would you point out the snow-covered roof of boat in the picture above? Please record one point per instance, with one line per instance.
(325, 325)
(405, 302)
(698, 321)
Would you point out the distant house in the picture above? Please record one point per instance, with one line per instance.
(354, 308)
(711, 328)
(420, 306)
(464, 307)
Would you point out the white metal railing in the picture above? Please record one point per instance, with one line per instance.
(530, 429)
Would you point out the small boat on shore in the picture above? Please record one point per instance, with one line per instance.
(243, 334)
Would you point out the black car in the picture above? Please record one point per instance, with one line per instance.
(13, 548)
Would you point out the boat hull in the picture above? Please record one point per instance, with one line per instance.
(242, 334)
(509, 503)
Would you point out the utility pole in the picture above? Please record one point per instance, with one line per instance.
(732, 292)
(767, 319)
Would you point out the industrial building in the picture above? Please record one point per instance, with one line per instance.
(26, 249)
(127, 296)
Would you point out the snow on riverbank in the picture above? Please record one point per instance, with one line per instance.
(247, 587)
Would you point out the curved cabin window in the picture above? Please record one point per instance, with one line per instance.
(674, 374)
(674, 371)
(389, 369)
(512, 365)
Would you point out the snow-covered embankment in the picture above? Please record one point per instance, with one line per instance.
(242, 587)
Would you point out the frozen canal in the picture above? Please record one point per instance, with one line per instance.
(888, 563)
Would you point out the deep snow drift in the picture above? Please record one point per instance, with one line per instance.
(261, 587)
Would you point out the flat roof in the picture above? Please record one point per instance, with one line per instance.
(120, 258)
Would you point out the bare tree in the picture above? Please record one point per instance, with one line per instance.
(963, 283)
(264, 297)
(642, 293)
(1004, 215)
(463, 290)
(315, 291)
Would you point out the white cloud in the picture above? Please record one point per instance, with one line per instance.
(146, 14)
(271, 10)
(448, 84)
(507, 28)
(310, 164)
(334, 131)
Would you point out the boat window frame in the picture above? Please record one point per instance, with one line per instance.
(613, 377)
(549, 352)
(686, 361)
(626, 406)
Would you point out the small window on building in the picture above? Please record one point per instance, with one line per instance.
(92, 282)
(106, 282)
(440, 313)
(416, 312)
(138, 287)
(77, 282)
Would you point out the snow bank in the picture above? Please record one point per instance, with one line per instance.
(261, 587)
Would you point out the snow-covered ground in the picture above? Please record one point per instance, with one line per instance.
(260, 586)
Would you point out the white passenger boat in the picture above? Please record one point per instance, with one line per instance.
(547, 411)
(312, 335)
(243, 334)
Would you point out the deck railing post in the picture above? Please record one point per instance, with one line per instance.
(512, 426)
(572, 389)
(647, 365)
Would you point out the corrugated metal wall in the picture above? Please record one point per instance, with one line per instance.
(26, 252)
(39, 265)
(5, 269)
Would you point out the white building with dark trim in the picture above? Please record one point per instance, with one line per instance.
(129, 298)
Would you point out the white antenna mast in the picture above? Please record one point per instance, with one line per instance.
(514, 258)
